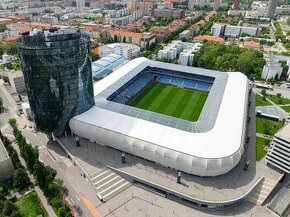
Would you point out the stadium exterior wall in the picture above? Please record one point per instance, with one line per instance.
(153, 152)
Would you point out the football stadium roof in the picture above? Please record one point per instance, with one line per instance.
(209, 147)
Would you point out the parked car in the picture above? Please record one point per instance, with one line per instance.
(246, 165)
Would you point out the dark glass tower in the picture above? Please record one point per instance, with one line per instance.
(57, 70)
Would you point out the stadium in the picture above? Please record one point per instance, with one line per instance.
(190, 119)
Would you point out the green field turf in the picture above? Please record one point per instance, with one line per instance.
(173, 101)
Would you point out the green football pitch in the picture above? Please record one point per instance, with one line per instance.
(173, 101)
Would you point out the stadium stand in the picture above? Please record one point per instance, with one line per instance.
(131, 88)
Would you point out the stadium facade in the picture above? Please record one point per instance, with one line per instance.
(58, 75)
(210, 146)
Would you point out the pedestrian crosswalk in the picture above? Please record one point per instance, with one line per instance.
(108, 183)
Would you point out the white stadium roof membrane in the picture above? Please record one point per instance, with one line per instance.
(211, 146)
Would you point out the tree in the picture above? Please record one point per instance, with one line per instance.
(279, 95)
(95, 56)
(12, 122)
(9, 209)
(21, 179)
(263, 92)
(124, 39)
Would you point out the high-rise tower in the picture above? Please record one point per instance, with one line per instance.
(236, 5)
(57, 70)
(271, 8)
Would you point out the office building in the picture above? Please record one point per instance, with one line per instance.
(16, 80)
(58, 74)
(6, 166)
(271, 8)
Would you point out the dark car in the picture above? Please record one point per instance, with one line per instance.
(246, 165)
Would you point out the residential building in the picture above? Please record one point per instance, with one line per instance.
(252, 44)
(123, 16)
(128, 51)
(142, 39)
(186, 34)
(49, 19)
(197, 3)
(175, 13)
(210, 15)
(6, 166)
(272, 68)
(216, 5)
(184, 50)
(17, 82)
(259, 6)
(223, 29)
(61, 86)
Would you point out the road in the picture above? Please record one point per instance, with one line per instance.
(41, 140)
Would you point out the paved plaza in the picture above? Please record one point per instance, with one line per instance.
(236, 183)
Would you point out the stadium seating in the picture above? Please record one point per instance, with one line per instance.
(132, 87)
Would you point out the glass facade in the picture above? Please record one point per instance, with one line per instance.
(57, 70)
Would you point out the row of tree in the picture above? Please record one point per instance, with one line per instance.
(8, 47)
(280, 35)
(44, 175)
(230, 58)
(20, 176)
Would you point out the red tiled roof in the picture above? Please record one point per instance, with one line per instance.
(12, 38)
(40, 25)
(201, 22)
(209, 38)
(5, 20)
(252, 44)
(95, 50)
(125, 33)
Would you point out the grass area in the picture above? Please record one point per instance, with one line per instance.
(286, 108)
(178, 102)
(268, 127)
(278, 100)
(30, 206)
(261, 144)
(261, 102)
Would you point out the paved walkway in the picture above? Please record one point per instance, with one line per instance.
(226, 187)
(263, 136)
(94, 211)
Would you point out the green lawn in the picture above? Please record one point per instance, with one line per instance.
(174, 101)
(286, 108)
(261, 102)
(261, 144)
(278, 100)
(268, 127)
(30, 206)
